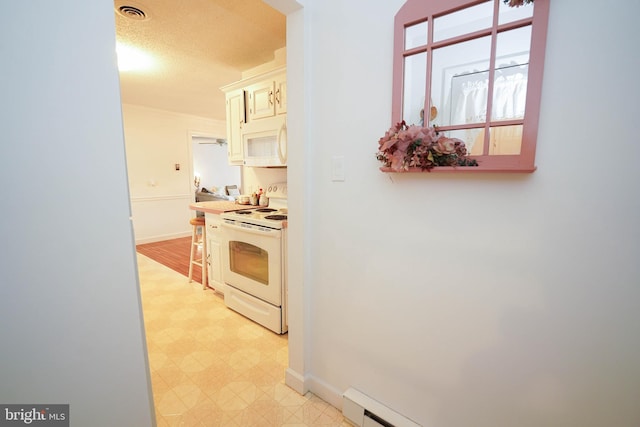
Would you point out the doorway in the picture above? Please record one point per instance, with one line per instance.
(210, 164)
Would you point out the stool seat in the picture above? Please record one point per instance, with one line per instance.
(198, 244)
(197, 221)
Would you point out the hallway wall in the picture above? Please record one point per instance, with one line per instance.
(70, 320)
(458, 300)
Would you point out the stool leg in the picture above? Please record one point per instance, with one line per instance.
(194, 248)
(205, 264)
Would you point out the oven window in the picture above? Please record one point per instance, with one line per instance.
(249, 261)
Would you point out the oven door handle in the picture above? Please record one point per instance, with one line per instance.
(273, 233)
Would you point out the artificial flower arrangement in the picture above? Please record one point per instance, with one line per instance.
(517, 3)
(403, 147)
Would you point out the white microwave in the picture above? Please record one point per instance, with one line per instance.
(265, 142)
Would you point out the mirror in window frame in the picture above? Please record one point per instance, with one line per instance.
(477, 67)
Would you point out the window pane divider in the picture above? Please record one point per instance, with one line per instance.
(480, 125)
(491, 79)
(414, 51)
(471, 36)
(427, 97)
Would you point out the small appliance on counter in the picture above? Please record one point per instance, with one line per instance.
(243, 199)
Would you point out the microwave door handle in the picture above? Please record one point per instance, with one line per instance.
(282, 154)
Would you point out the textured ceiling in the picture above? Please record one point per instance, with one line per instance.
(198, 46)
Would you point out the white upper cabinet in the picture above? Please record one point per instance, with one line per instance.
(235, 121)
(267, 98)
(254, 104)
(261, 100)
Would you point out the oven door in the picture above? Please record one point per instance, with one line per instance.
(252, 260)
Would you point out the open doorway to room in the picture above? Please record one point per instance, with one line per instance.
(211, 169)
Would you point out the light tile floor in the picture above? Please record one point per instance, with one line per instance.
(211, 366)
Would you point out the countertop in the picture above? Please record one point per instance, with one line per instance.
(217, 207)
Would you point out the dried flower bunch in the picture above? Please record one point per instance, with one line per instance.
(517, 3)
(403, 147)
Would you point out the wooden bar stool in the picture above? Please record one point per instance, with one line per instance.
(199, 229)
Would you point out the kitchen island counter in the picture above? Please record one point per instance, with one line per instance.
(217, 206)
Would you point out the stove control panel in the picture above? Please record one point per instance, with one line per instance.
(277, 190)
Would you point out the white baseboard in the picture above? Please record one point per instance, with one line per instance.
(303, 384)
(325, 391)
(295, 381)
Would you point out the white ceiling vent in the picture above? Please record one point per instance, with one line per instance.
(131, 10)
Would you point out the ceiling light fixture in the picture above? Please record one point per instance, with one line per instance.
(133, 59)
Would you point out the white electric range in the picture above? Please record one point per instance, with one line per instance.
(254, 247)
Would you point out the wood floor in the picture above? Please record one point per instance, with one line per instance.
(172, 253)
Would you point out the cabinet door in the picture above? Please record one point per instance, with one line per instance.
(214, 254)
(281, 95)
(214, 263)
(261, 100)
(235, 121)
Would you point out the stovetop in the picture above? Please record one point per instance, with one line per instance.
(265, 216)
(271, 216)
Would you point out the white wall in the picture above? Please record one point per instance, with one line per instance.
(160, 195)
(70, 317)
(459, 300)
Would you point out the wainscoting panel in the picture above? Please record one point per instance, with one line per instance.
(161, 217)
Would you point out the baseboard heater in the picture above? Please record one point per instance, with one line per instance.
(363, 411)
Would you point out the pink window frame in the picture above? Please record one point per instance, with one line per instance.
(416, 11)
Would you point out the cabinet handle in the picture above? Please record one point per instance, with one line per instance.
(278, 96)
(270, 97)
